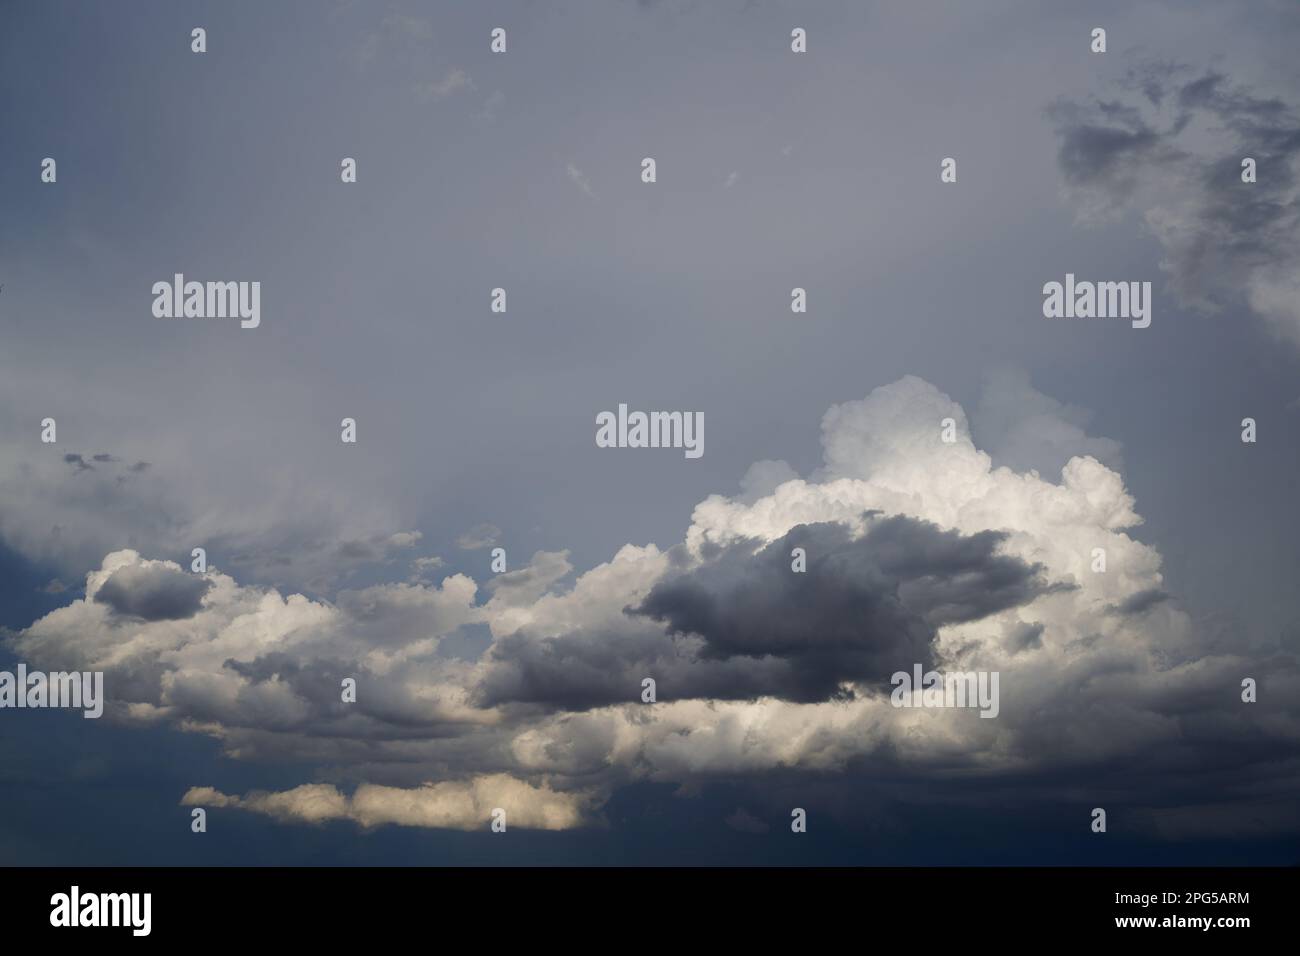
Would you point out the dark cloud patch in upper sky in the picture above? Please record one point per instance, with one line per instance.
(1178, 159)
(1104, 153)
(153, 593)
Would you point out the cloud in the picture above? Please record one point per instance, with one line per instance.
(869, 605)
(376, 548)
(66, 511)
(1172, 146)
(423, 568)
(479, 537)
(1025, 430)
(579, 179)
(451, 805)
(1141, 601)
(919, 551)
(153, 591)
(763, 478)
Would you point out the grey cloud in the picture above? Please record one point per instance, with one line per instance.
(864, 609)
(1025, 637)
(585, 668)
(1096, 155)
(1141, 601)
(527, 584)
(384, 707)
(1177, 158)
(478, 537)
(744, 625)
(153, 593)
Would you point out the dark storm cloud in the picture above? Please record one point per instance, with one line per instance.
(153, 593)
(744, 624)
(864, 608)
(584, 668)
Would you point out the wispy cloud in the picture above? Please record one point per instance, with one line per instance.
(579, 179)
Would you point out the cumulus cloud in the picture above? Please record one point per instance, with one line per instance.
(153, 591)
(1025, 430)
(869, 606)
(453, 805)
(1172, 143)
(918, 551)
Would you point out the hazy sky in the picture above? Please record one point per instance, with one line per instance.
(775, 170)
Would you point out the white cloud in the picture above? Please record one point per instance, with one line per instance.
(452, 805)
(260, 670)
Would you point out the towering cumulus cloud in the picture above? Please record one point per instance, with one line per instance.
(919, 551)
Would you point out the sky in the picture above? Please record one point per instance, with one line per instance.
(479, 689)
